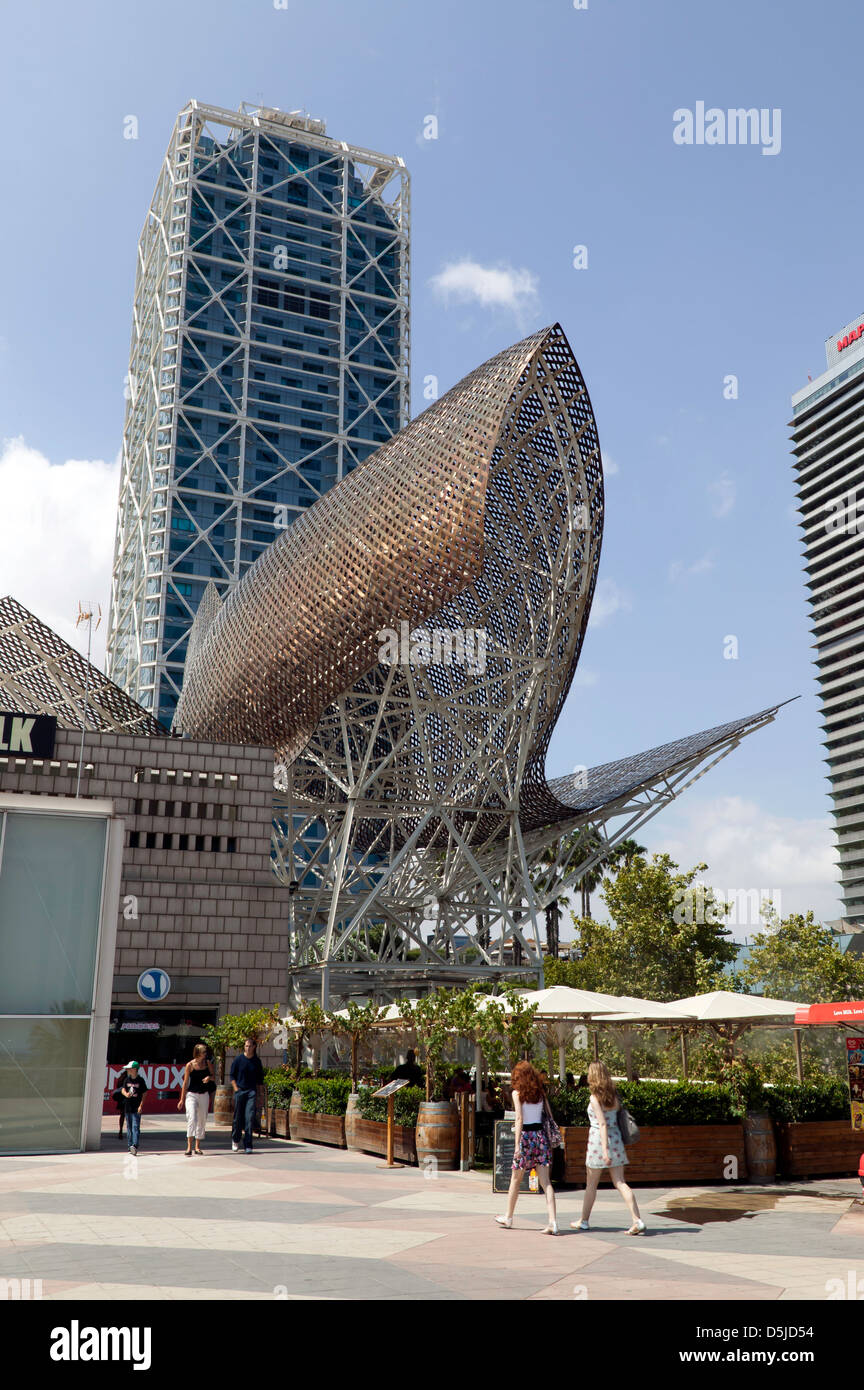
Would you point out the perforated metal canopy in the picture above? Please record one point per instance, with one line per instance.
(43, 674)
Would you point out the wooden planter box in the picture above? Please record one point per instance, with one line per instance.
(819, 1148)
(370, 1136)
(320, 1129)
(666, 1154)
(279, 1123)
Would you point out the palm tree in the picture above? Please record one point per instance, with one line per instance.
(588, 842)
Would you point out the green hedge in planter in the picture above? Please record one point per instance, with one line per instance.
(324, 1095)
(820, 1100)
(279, 1088)
(685, 1103)
(652, 1103)
(406, 1104)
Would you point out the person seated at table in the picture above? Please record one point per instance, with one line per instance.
(459, 1083)
(492, 1099)
(409, 1070)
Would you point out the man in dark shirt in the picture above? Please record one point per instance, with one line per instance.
(133, 1091)
(408, 1071)
(247, 1074)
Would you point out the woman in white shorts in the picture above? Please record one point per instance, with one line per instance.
(198, 1082)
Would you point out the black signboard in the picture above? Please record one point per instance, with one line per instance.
(502, 1160)
(27, 735)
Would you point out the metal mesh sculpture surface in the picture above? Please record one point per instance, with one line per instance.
(42, 674)
(407, 647)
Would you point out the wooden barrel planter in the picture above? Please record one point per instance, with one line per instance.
(438, 1135)
(352, 1116)
(223, 1106)
(667, 1154)
(760, 1146)
(819, 1148)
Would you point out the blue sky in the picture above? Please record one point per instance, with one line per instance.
(555, 129)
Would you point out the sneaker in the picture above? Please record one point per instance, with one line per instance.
(235, 1148)
(505, 1221)
(134, 1151)
(247, 1151)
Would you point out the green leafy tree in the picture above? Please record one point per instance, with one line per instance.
(355, 1022)
(307, 1018)
(433, 1017)
(799, 959)
(666, 938)
(232, 1030)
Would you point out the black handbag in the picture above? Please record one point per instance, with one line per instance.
(627, 1126)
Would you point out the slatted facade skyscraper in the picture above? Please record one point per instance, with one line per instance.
(828, 444)
(269, 357)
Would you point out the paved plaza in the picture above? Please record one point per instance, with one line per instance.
(302, 1221)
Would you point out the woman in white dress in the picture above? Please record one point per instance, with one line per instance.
(605, 1147)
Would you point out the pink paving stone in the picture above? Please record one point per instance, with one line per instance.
(552, 1253)
(851, 1223)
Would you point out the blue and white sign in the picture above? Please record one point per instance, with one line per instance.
(154, 984)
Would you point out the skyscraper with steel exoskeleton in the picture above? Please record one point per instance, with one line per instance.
(269, 357)
(828, 444)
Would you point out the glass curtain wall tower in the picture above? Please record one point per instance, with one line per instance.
(269, 357)
(828, 444)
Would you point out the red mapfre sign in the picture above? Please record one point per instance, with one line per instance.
(851, 1012)
(850, 337)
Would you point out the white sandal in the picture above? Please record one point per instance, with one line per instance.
(551, 1229)
(579, 1226)
(505, 1221)
(637, 1229)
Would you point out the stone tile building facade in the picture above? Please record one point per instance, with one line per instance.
(198, 896)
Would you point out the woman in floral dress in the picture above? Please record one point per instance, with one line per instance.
(532, 1147)
(605, 1147)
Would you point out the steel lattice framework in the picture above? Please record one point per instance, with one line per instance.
(413, 790)
(269, 356)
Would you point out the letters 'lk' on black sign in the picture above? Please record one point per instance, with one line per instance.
(27, 735)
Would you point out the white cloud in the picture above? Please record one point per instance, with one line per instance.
(493, 287)
(748, 848)
(584, 678)
(57, 537)
(678, 569)
(723, 492)
(610, 467)
(608, 600)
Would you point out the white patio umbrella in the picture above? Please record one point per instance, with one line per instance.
(560, 1008)
(725, 1006)
(720, 1007)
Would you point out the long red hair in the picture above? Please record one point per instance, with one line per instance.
(526, 1080)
